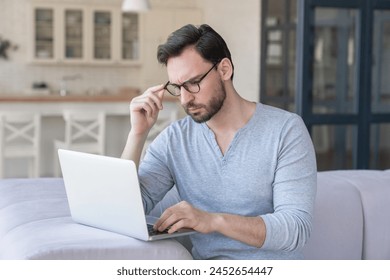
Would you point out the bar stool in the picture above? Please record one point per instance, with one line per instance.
(20, 137)
(84, 132)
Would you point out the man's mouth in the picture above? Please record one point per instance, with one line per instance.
(194, 110)
(193, 107)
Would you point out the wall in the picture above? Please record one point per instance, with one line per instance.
(237, 21)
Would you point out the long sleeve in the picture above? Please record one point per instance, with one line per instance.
(294, 189)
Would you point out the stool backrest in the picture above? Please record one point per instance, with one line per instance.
(20, 129)
(85, 128)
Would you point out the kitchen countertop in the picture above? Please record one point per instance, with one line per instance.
(76, 98)
(70, 98)
(55, 105)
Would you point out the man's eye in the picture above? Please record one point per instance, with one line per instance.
(193, 82)
(174, 86)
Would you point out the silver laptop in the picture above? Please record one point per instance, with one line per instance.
(104, 192)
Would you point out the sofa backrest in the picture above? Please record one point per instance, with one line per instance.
(338, 220)
(352, 216)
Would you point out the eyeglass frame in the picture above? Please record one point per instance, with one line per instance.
(189, 81)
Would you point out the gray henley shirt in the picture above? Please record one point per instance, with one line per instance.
(269, 170)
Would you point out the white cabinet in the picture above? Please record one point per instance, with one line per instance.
(72, 43)
(44, 41)
(102, 24)
(84, 35)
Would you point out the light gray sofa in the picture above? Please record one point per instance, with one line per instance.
(352, 216)
(352, 221)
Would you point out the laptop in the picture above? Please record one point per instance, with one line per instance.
(104, 192)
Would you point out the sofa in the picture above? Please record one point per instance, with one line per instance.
(351, 216)
(351, 221)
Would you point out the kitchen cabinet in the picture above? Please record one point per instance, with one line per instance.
(44, 41)
(83, 34)
(74, 34)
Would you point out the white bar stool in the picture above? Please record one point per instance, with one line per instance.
(84, 132)
(20, 137)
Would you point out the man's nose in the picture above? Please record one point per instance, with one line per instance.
(185, 96)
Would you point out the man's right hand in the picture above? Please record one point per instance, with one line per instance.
(144, 110)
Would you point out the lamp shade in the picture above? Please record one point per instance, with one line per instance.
(135, 5)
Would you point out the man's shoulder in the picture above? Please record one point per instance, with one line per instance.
(274, 111)
(273, 115)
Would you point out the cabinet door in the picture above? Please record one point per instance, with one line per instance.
(130, 37)
(74, 27)
(102, 35)
(44, 43)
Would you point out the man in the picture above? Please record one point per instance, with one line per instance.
(246, 172)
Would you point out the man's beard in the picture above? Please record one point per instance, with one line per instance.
(211, 109)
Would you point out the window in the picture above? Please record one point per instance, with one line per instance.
(278, 53)
(330, 65)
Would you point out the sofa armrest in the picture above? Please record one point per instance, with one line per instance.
(338, 220)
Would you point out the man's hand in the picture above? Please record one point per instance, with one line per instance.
(184, 215)
(144, 110)
(250, 230)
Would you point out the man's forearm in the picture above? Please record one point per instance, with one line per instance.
(250, 230)
(133, 147)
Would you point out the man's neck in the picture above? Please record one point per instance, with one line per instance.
(234, 114)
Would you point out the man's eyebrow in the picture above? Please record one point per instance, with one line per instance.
(187, 81)
(194, 78)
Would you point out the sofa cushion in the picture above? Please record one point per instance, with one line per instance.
(374, 188)
(35, 223)
(338, 219)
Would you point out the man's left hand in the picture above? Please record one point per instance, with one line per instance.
(184, 215)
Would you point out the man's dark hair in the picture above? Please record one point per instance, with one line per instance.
(208, 43)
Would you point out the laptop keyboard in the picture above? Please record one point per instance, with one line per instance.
(152, 231)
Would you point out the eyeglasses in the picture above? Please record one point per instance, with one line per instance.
(192, 85)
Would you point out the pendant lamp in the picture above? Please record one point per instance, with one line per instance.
(135, 5)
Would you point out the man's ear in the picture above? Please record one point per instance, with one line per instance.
(225, 69)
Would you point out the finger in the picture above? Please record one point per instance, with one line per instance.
(164, 221)
(155, 100)
(157, 88)
(152, 91)
(151, 101)
(183, 223)
(146, 109)
(139, 105)
(152, 95)
(160, 93)
(172, 214)
(159, 222)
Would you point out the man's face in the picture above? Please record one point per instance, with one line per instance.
(190, 66)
